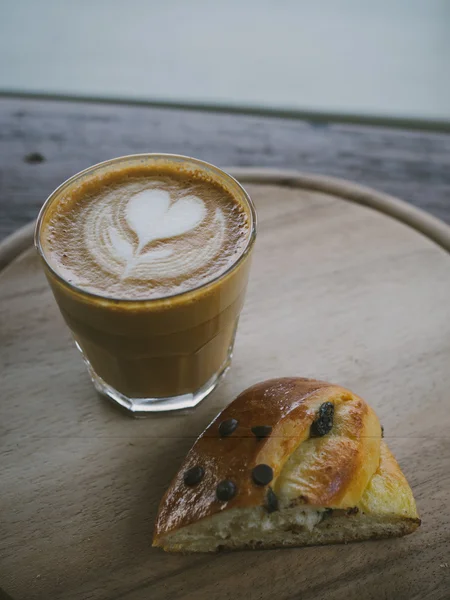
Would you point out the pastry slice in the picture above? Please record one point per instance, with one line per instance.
(290, 462)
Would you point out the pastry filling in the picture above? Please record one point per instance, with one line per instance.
(243, 524)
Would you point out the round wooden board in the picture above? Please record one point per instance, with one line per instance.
(338, 291)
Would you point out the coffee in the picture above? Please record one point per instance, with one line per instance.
(144, 233)
(148, 259)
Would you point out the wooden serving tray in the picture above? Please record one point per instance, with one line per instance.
(358, 295)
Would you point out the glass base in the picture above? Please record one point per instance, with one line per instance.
(141, 407)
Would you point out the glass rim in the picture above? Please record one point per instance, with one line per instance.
(151, 155)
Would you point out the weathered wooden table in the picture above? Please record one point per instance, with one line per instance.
(43, 142)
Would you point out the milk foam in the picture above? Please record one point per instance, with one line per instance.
(144, 234)
(121, 236)
(151, 216)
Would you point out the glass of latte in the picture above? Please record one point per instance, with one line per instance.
(148, 258)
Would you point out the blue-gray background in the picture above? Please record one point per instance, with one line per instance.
(380, 58)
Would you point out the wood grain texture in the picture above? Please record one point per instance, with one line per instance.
(43, 142)
(338, 292)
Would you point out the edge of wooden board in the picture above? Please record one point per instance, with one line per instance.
(421, 221)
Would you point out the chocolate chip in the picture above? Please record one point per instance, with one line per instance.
(261, 431)
(382, 431)
(323, 423)
(225, 490)
(193, 475)
(227, 427)
(262, 474)
(271, 501)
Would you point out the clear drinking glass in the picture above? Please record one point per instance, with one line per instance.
(161, 354)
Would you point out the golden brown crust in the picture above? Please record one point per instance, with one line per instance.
(388, 492)
(340, 463)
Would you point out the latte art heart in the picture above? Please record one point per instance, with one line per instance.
(143, 235)
(121, 237)
(152, 216)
